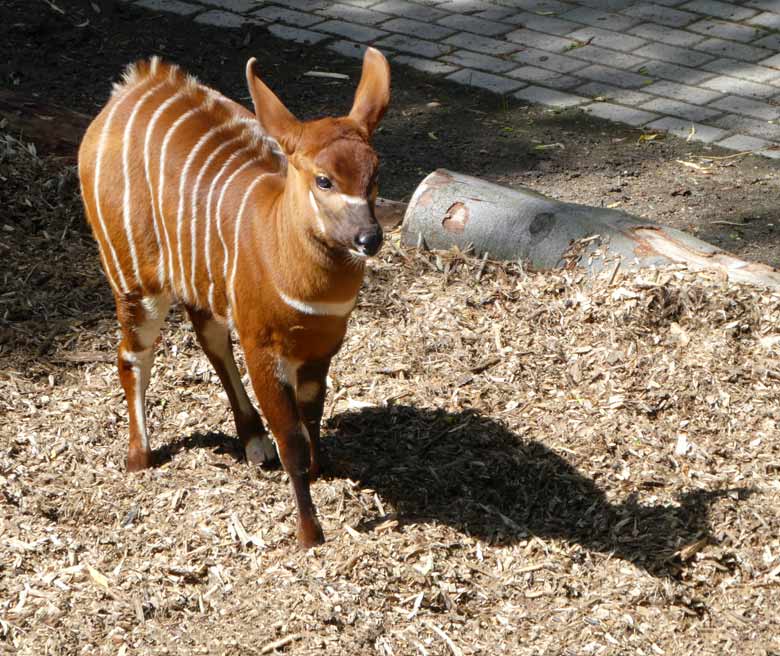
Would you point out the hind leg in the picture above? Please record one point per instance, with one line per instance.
(141, 319)
(214, 338)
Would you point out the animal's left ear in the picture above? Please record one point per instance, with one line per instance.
(373, 92)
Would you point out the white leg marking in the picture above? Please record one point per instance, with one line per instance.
(237, 229)
(287, 371)
(217, 339)
(147, 145)
(141, 362)
(98, 162)
(209, 198)
(163, 152)
(317, 215)
(196, 187)
(155, 309)
(127, 196)
(180, 210)
(308, 391)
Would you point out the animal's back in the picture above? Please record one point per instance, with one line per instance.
(165, 169)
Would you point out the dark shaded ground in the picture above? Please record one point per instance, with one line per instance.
(431, 124)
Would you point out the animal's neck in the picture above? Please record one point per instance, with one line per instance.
(304, 265)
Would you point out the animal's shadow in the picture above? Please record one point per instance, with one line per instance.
(470, 472)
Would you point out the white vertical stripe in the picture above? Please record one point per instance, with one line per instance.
(163, 152)
(147, 144)
(209, 198)
(127, 195)
(98, 162)
(194, 224)
(180, 212)
(230, 179)
(239, 216)
(316, 210)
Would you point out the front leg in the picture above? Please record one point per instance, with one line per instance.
(310, 392)
(274, 380)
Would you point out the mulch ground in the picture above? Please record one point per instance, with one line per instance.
(521, 464)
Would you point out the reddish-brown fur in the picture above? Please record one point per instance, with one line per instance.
(276, 255)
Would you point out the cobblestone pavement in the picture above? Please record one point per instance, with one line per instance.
(700, 69)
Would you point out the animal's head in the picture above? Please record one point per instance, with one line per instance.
(330, 161)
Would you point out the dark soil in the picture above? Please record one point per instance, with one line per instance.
(72, 59)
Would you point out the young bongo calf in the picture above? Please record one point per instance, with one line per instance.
(257, 222)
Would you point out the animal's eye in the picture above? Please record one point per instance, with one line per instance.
(323, 182)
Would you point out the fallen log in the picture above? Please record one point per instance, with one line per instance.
(451, 209)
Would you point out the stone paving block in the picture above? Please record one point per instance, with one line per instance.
(476, 25)
(543, 59)
(432, 67)
(767, 5)
(238, 6)
(607, 38)
(306, 5)
(417, 28)
(655, 32)
(171, 6)
(549, 97)
(724, 30)
(669, 71)
(409, 10)
(351, 31)
(742, 69)
(723, 48)
(465, 6)
(766, 19)
(543, 76)
(289, 16)
(607, 93)
(297, 34)
(220, 18)
(481, 44)
(680, 128)
(612, 112)
(742, 143)
(541, 41)
(770, 41)
(415, 46)
(493, 83)
(354, 14)
(747, 125)
(673, 54)
(468, 59)
(681, 109)
(748, 107)
(682, 92)
(607, 5)
(495, 14)
(349, 49)
(664, 15)
(719, 9)
(546, 24)
(613, 76)
(596, 18)
(598, 55)
(537, 6)
(772, 62)
(733, 85)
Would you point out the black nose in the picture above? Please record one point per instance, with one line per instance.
(369, 241)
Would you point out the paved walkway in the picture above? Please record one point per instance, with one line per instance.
(701, 69)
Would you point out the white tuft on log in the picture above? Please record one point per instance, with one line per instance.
(451, 209)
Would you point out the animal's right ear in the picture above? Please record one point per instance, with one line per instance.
(275, 119)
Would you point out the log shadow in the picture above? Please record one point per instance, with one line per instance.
(470, 472)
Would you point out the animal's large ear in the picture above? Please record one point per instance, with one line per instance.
(373, 92)
(275, 119)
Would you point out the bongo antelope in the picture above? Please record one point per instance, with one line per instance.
(257, 222)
